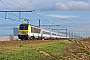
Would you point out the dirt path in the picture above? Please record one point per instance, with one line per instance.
(12, 43)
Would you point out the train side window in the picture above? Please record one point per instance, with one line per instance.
(47, 33)
(58, 35)
(35, 30)
(54, 34)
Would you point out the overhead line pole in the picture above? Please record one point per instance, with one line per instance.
(69, 34)
(15, 11)
(39, 23)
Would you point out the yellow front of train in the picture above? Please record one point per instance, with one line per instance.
(24, 31)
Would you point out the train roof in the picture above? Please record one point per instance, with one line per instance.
(38, 27)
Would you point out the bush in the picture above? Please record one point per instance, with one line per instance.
(11, 37)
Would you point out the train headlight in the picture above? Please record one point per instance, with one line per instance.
(19, 33)
(26, 32)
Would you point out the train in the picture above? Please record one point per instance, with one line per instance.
(28, 32)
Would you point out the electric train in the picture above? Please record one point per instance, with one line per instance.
(29, 32)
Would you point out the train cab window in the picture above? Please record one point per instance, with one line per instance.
(23, 27)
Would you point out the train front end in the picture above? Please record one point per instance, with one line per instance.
(24, 31)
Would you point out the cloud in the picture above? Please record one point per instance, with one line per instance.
(68, 5)
(46, 5)
(61, 16)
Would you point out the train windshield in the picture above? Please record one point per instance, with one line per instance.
(23, 27)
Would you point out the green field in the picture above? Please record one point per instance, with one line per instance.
(51, 51)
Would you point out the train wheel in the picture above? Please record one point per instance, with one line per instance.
(22, 39)
(32, 38)
(39, 38)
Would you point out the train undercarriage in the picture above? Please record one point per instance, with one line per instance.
(26, 37)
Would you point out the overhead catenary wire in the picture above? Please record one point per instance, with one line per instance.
(38, 18)
(14, 14)
(5, 3)
(24, 18)
(21, 7)
(44, 18)
(9, 18)
(20, 4)
(32, 18)
(50, 26)
(7, 25)
(2, 16)
(19, 17)
(1, 7)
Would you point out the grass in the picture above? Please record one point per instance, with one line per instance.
(86, 39)
(32, 51)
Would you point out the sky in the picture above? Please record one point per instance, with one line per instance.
(71, 14)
